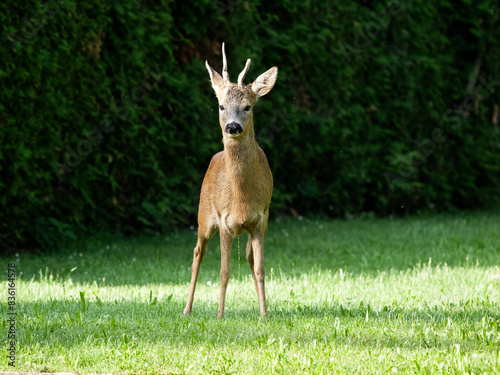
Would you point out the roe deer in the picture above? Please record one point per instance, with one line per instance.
(237, 188)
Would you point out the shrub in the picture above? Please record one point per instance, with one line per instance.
(108, 122)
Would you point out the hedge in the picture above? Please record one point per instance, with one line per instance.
(108, 121)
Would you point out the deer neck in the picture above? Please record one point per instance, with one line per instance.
(241, 157)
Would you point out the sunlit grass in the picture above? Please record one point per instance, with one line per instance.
(360, 296)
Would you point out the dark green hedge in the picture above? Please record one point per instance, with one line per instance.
(108, 120)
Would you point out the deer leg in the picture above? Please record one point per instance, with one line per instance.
(226, 242)
(199, 252)
(258, 254)
(251, 263)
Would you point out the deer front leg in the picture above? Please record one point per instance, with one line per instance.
(258, 257)
(226, 242)
(199, 252)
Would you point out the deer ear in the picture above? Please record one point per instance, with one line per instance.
(217, 81)
(265, 82)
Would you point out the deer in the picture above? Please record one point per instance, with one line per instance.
(237, 188)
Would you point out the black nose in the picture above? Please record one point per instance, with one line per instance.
(233, 128)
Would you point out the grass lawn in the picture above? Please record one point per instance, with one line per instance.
(415, 295)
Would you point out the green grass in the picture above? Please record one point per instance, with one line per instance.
(416, 295)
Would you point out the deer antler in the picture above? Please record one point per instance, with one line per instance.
(243, 73)
(225, 74)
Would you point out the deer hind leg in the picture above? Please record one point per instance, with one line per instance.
(199, 252)
(251, 263)
(258, 255)
(226, 242)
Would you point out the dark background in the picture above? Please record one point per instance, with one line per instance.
(108, 120)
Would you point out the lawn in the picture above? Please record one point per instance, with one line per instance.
(414, 295)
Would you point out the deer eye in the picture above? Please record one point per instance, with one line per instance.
(221, 107)
(247, 108)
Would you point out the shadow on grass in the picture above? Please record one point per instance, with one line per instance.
(292, 248)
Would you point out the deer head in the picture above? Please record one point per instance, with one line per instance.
(236, 101)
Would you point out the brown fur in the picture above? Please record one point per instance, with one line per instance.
(237, 187)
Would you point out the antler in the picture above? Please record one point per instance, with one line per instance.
(243, 73)
(225, 74)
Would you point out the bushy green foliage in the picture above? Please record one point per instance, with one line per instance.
(362, 88)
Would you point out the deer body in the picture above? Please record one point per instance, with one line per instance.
(237, 188)
(236, 191)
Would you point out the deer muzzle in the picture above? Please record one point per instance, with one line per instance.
(233, 129)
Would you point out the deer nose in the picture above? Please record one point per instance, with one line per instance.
(233, 128)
